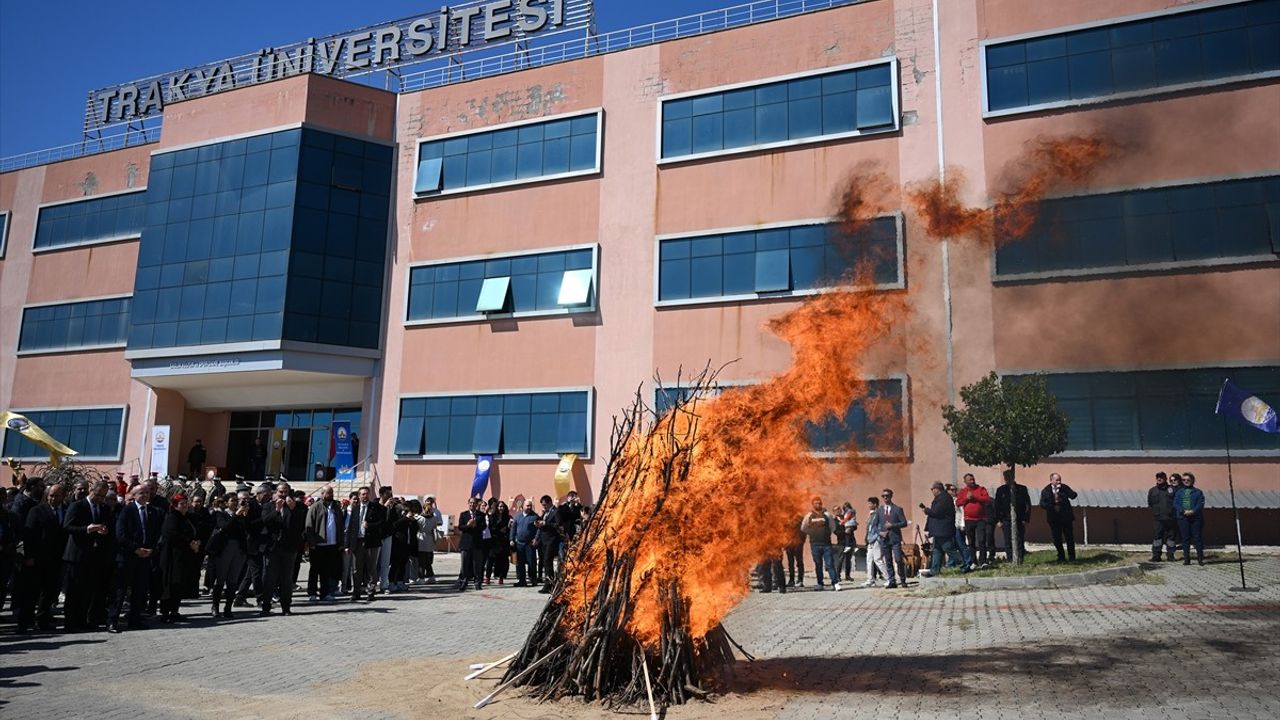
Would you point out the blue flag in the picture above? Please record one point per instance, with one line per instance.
(1238, 404)
(343, 451)
(481, 481)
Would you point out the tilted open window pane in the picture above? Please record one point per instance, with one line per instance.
(428, 175)
(409, 436)
(575, 288)
(494, 294)
(488, 435)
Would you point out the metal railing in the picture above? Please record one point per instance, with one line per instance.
(618, 40)
(522, 59)
(80, 149)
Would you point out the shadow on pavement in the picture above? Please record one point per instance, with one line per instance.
(10, 673)
(1108, 665)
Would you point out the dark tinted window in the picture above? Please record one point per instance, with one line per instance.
(524, 152)
(534, 423)
(453, 290)
(1205, 221)
(1159, 409)
(94, 433)
(845, 101)
(75, 325)
(797, 258)
(1201, 45)
(84, 221)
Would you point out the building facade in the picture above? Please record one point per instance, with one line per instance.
(494, 266)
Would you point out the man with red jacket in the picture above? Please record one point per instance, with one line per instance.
(974, 499)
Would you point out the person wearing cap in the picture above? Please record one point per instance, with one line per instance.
(285, 520)
(1165, 525)
(218, 490)
(178, 548)
(258, 541)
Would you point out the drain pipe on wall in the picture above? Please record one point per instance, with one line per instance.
(946, 245)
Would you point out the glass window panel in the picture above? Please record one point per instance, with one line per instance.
(555, 156)
(705, 277)
(575, 287)
(571, 435)
(673, 279)
(773, 272)
(488, 434)
(494, 295)
(839, 113)
(582, 152)
(677, 137)
(875, 107)
(771, 122)
(503, 164)
(804, 117)
(409, 436)
(1047, 81)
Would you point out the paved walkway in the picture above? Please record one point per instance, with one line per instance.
(1177, 643)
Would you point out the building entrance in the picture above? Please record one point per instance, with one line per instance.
(286, 442)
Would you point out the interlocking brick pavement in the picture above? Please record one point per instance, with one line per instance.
(1176, 644)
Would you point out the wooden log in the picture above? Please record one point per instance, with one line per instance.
(482, 669)
(648, 687)
(487, 698)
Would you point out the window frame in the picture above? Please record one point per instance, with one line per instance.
(471, 457)
(597, 169)
(1227, 263)
(1150, 454)
(4, 231)
(79, 348)
(900, 284)
(124, 428)
(904, 454)
(35, 230)
(895, 96)
(988, 114)
(474, 316)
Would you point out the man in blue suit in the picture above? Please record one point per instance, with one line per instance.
(137, 534)
(892, 522)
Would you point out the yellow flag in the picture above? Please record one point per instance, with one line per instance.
(14, 422)
(564, 474)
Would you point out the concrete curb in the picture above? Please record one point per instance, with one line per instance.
(1028, 582)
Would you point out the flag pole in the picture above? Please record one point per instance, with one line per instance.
(1231, 486)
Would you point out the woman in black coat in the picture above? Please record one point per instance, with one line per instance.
(178, 548)
(499, 560)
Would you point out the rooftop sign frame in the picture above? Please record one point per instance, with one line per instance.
(459, 29)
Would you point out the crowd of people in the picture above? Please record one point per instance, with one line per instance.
(118, 555)
(959, 530)
(121, 554)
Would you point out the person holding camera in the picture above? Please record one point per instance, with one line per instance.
(941, 527)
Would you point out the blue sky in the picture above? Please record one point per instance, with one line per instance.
(53, 52)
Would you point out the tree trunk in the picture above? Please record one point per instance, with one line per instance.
(1016, 527)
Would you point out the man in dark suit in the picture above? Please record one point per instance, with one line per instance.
(90, 526)
(941, 527)
(1004, 509)
(195, 461)
(364, 536)
(1056, 499)
(472, 523)
(43, 543)
(138, 527)
(15, 522)
(891, 523)
(286, 521)
(258, 540)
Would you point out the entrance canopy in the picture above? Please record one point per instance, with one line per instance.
(263, 379)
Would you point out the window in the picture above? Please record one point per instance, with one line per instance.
(95, 433)
(873, 424)
(1196, 223)
(538, 283)
(813, 106)
(71, 326)
(508, 424)
(560, 147)
(1164, 51)
(100, 219)
(781, 260)
(279, 236)
(1156, 412)
(4, 232)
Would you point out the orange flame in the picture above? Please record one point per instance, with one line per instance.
(1048, 164)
